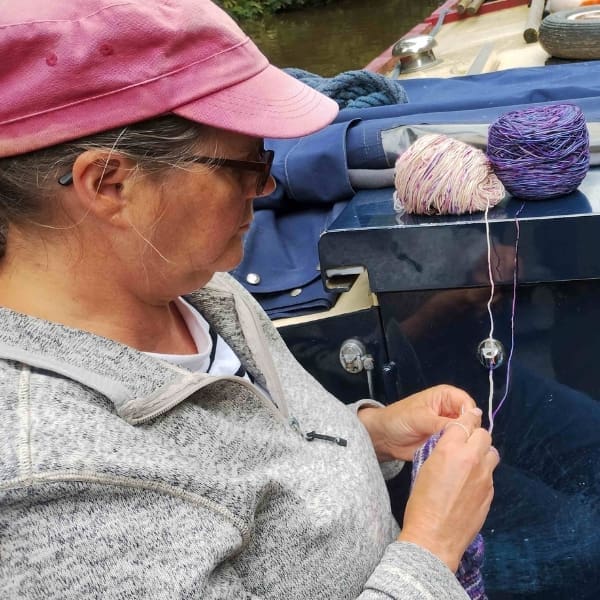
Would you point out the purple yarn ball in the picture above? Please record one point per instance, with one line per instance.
(540, 152)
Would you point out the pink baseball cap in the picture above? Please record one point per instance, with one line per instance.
(75, 68)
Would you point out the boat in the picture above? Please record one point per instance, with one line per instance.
(502, 34)
(384, 303)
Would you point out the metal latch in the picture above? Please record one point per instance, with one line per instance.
(354, 359)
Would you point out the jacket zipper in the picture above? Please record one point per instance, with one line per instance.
(313, 435)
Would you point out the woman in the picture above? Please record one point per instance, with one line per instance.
(158, 439)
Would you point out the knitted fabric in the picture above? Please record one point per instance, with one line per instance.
(469, 569)
(354, 89)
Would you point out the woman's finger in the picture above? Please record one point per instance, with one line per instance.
(481, 440)
(462, 426)
(454, 401)
(492, 458)
(462, 429)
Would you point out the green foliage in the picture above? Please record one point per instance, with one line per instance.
(251, 9)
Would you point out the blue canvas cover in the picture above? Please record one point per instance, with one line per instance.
(315, 173)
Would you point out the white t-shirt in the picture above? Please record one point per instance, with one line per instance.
(216, 356)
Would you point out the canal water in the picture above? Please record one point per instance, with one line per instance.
(338, 37)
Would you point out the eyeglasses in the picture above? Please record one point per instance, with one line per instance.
(262, 167)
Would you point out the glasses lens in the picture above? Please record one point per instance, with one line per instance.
(261, 182)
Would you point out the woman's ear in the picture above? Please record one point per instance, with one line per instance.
(99, 180)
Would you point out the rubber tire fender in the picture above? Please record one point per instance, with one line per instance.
(572, 34)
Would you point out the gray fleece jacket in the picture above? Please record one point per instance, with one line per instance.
(122, 476)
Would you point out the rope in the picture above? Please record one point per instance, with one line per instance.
(354, 89)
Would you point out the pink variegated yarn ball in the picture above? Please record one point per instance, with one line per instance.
(439, 175)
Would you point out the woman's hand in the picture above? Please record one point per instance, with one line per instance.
(399, 429)
(453, 491)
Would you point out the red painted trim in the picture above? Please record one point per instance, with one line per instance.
(380, 63)
(486, 7)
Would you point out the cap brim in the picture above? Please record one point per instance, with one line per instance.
(269, 104)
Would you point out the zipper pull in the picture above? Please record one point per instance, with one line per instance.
(313, 435)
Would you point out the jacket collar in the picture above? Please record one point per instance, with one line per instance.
(140, 386)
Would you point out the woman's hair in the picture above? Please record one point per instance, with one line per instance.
(29, 182)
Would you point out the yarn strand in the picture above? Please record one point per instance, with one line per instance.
(491, 411)
(513, 313)
(491, 315)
